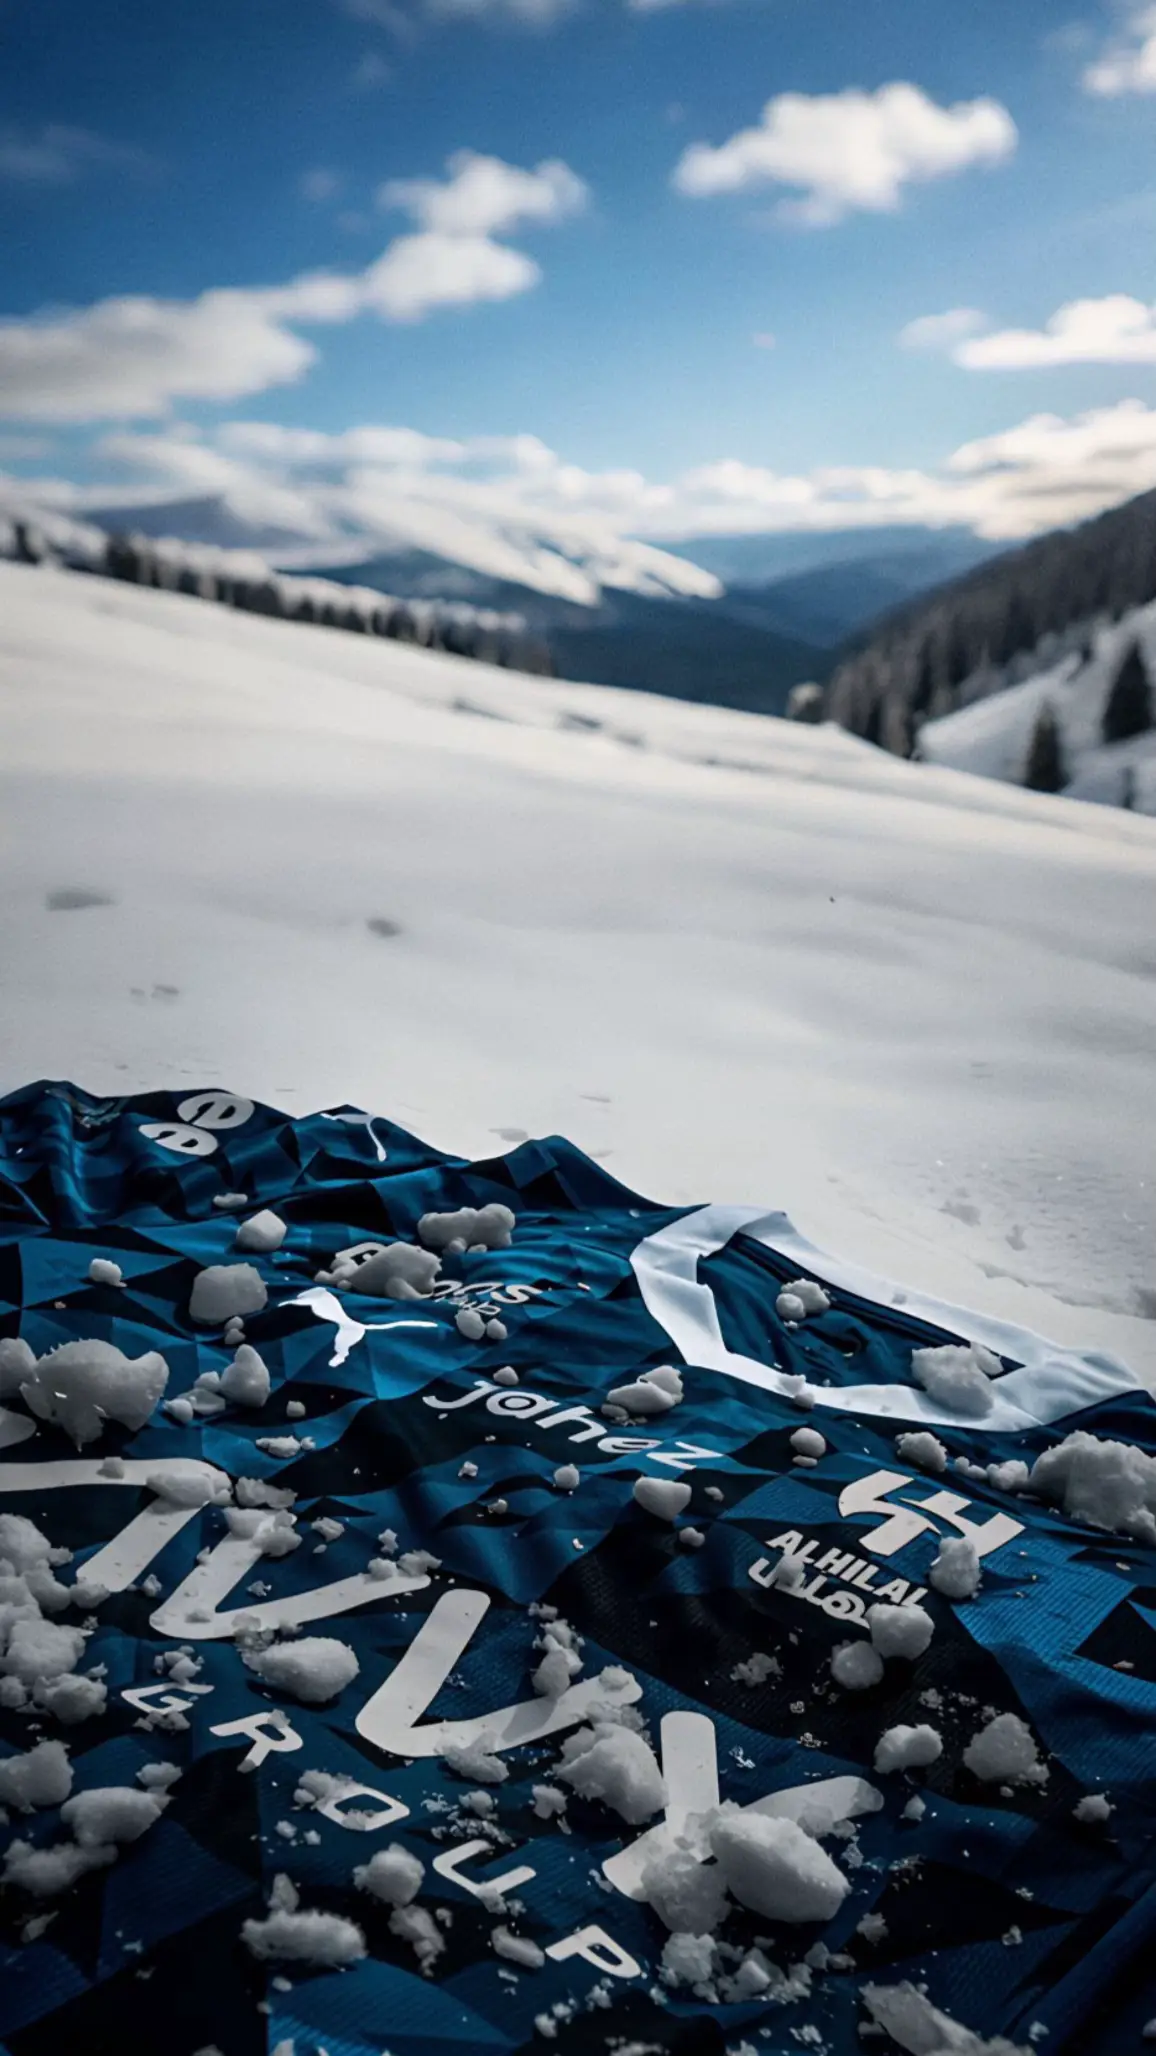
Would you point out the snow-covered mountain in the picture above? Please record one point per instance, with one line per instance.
(737, 958)
(539, 550)
(994, 736)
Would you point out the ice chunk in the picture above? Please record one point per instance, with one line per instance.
(612, 1763)
(102, 1271)
(666, 1498)
(507, 1375)
(82, 1385)
(1108, 1484)
(224, 1290)
(908, 1748)
(41, 1776)
(688, 1959)
(567, 1478)
(1004, 1753)
(915, 2024)
(923, 1449)
(111, 1813)
(856, 1666)
(314, 1668)
(687, 1893)
(773, 1867)
(392, 1875)
(957, 1376)
(655, 1392)
(956, 1571)
(246, 1381)
(262, 1233)
(490, 1226)
(470, 1323)
(900, 1630)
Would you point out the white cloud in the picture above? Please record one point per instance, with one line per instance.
(133, 357)
(941, 331)
(419, 273)
(1114, 330)
(510, 507)
(319, 185)
(1128, 65)
(58, 156)
(484, 196)
(850, 150)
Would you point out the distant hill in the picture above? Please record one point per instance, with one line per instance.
(717, 651)
(913, 558)
(1013, 616)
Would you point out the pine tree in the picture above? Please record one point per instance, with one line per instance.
(1045, 770)
(1128, 707)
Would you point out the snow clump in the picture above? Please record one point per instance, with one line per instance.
(773, 1867)
(1107, 1484)
(102, 1271)
(856, 1666)
(1004, 1753)
(663, 1497)
(801, 1297)
(313, 1669)
(83, 1385)
(246, 1381)
(655, 1392)
(392, 1875)
(223, 1291)
(907, 1748)
(262, 1233)
(809, 1442)
(923, 1449)
(957, 1376)
(41, 1776)
(956, 1571)
(900, 1630)
(397, 1271)
(610, 1762)
(486, 1227)
(111, 1813)
(290, 1936)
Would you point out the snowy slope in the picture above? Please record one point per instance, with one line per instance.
(993, 735)
(739, 959)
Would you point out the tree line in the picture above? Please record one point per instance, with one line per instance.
(238, 579)
(1011, 616)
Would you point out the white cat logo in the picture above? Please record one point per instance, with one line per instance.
(192, 1133)
(907, 1519)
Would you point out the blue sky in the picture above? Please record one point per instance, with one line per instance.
(166, 153)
